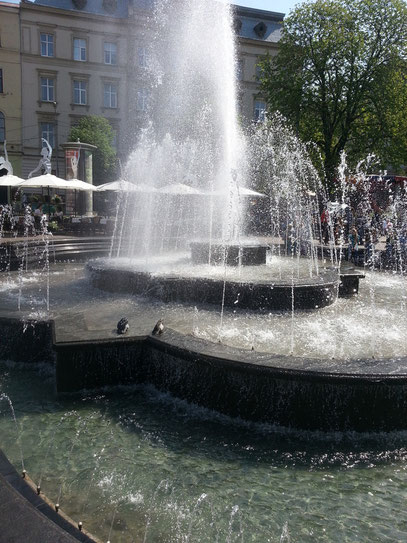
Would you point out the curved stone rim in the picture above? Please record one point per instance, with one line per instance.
(253, 295)
(236, 382)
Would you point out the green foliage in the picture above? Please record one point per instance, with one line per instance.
(339, 78)
(97, 131)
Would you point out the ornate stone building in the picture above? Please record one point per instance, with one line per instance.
(84, 57)
(74, 63)
(258, 34)
(10, 84)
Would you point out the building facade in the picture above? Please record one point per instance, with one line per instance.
(10, 85)
(258, 33)
(74, 63)
(90, 57)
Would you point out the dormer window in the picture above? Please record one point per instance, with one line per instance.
(260, 29)
(237, 25)
(80, 4)
(110, 5)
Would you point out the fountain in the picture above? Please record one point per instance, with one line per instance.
(267, 338)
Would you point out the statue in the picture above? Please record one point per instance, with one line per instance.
(45, 162)
(74, 165)
(4, 161)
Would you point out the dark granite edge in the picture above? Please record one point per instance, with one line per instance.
(188, 347)
(331, 279)
(177, 344)
(39, 505)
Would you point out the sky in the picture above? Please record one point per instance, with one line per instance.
(280, 6)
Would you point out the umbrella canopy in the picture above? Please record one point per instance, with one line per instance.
(48, 181)
(178, 188)
(243, 191)
(77, 184)
(53, 182)
(10, 181)
(124, 186)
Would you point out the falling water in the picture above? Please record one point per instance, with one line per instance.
(17, 426)
(193, 514)
(192, 137)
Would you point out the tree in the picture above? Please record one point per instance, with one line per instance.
(334, 76)
(97, 131)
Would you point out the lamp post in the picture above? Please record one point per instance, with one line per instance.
(56, 136)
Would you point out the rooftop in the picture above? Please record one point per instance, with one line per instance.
(108, 8)
(258, 24)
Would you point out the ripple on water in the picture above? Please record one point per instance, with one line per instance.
(144, 459)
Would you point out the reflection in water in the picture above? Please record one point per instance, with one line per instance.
(138, 463)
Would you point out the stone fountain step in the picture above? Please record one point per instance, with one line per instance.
(60, 249)
(26, 517)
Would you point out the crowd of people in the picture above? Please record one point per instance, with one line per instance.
(364, 234)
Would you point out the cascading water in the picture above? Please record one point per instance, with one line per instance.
(139, 464)
(192, 137)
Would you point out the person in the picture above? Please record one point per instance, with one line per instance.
(325, 226)
(369, 246)
(59, 215)
(353, 244)
(339, 229)
(38, 213)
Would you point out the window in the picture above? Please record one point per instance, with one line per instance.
(48, 133)
(2, 127)
(114, 139)
(79, 49)
(259, 110)
(47, 45)
(142, 57)
(47, 89)
(79, 93)
(239, 70)
(1, 80)
(259, 72)
(142, 99)
(110, 53)
(110, 95)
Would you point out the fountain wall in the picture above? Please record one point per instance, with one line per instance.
(286, 391)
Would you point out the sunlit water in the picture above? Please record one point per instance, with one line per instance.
(166, 471)
(372, 324)
(178, 264)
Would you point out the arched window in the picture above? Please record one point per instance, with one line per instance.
(2, 127)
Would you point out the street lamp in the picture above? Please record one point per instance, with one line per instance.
(56, 135)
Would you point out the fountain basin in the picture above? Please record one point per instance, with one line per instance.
(245, 253)
(362, 395)
(304, 391)
(257, 294)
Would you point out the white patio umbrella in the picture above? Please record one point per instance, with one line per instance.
(179, 189)
(124, 186)
(10, 181)
(46, 181)
(243, 191)
(50, 181)
(78, 184)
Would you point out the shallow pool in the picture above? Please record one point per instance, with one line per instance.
(136, 465)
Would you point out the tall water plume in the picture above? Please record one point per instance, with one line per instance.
(191, 137)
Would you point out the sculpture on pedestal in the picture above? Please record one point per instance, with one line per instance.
(44, 165)
(4, 162)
